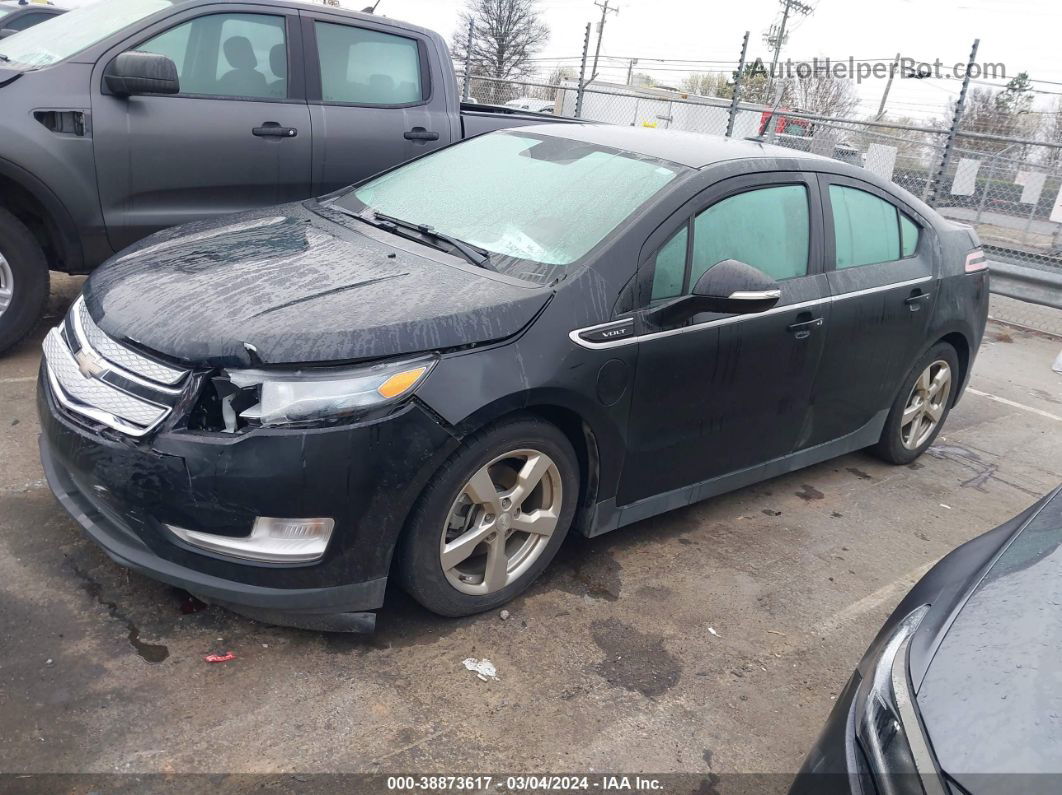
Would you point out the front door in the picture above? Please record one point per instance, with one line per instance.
(722, 393)
(880, 268)
(372, 100)
(236, 137)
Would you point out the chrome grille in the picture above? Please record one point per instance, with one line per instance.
(121, 355)
(96, 377)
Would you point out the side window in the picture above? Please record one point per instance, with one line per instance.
(227, 55)
(364, 67)
(909, 233)
(669, 270)
(767, 228)
(865, 228)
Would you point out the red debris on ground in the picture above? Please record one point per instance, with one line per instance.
(219, 658)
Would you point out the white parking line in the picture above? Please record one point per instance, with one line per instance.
(1014, 404)
(18, 380)
(888, 594)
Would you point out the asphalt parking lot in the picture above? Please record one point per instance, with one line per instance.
(712, 639)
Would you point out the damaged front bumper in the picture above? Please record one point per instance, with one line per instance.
(124, 492)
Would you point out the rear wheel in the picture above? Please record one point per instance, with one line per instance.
(492, 519)
(23, 280)
(920, 408)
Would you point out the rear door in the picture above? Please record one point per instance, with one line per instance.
(881, 272)
(372, 99)
(216, 146)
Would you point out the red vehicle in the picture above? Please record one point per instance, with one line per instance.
(785, 125)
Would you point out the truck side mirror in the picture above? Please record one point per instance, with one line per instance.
(141, 73)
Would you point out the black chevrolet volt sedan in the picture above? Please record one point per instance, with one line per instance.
(436, 374)
(961, 692)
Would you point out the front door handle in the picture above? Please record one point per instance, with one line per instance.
(420, 134)
(916, 299)
(272, 129)
(802, 330)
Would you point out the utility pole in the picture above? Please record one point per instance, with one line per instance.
(582, 74)
(600, 32)
(630, 70)
(776, 36)
(960, 105)
(735, 98)
(468, 59)
(888, 85)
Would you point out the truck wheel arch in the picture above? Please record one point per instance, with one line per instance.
(33, 203)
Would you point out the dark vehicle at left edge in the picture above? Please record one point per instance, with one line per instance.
(961, 691)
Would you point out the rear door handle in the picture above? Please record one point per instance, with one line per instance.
(272, 129)
(803, 329)
(420, 134)
(915, 301)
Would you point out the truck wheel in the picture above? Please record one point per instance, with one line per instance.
(492, 518)
(23, 280)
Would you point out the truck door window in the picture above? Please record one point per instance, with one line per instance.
(365, 67)
(227, 55)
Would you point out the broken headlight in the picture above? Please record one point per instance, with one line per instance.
(305, 396)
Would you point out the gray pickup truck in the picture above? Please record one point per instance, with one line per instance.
(125, 117)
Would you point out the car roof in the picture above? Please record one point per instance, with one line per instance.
(695, 150)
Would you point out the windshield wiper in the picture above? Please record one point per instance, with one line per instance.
(4, 58)
(476, 256)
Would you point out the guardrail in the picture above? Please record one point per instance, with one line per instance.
(1027, 284)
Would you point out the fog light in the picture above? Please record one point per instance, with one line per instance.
(271, 540)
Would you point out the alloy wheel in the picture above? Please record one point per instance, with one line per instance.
(7, 284)
(926, 405)
(501, 521)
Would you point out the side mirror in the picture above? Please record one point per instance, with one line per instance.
(142, 73)
(5, 32)
(730, 287)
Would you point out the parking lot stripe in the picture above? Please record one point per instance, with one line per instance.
(18, 380)
(1014, 404)
(887, 594)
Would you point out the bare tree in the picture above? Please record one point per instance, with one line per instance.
(506, 35)
(708, 84)
(824, 94)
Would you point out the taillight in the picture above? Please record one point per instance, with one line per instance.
(975, 261)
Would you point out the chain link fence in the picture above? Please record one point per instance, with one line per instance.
(1007, 187)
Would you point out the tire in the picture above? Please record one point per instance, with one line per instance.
(23, 281)
(447, 518)
(902, 439)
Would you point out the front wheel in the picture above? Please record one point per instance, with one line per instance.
(23, 280)
(492, 519)
(920, 408)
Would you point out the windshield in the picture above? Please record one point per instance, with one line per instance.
(529, 198)
(67, 34)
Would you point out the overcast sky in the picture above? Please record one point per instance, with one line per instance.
(1022, 34)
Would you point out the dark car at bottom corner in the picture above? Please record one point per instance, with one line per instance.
(961, 691)
(436, 374)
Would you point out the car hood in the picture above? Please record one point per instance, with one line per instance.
(292, 286)
(991, 699)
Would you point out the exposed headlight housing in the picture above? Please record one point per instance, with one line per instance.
(306, 396)
(887, 724)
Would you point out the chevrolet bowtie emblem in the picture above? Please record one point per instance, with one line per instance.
(89, 365)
